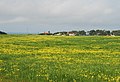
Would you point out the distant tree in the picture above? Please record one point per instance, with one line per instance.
(100, 32)
(2, 32)
(64, 33)
(82, 32)
(57, 33)
(74, 32)
(108, 32)
(116, 32)
(92, 32)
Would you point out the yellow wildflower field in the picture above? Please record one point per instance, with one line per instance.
(35, 58)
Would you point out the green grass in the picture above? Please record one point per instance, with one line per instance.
(34, 58)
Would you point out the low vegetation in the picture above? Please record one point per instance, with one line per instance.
(35, 58)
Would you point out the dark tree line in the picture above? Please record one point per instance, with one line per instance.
(99, 32)
(116, 32)
(104, 32)
(82, 33)
(90, 33)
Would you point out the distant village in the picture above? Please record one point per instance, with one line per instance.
(81, 33)
(84, 33)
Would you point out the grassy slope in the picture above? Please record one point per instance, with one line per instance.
(34, 58)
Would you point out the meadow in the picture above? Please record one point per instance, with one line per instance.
(35, 58)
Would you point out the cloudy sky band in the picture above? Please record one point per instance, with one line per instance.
(59, 12)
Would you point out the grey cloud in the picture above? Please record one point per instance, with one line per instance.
(15, 20)
(60, 11)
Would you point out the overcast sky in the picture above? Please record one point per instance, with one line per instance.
(58, 15)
